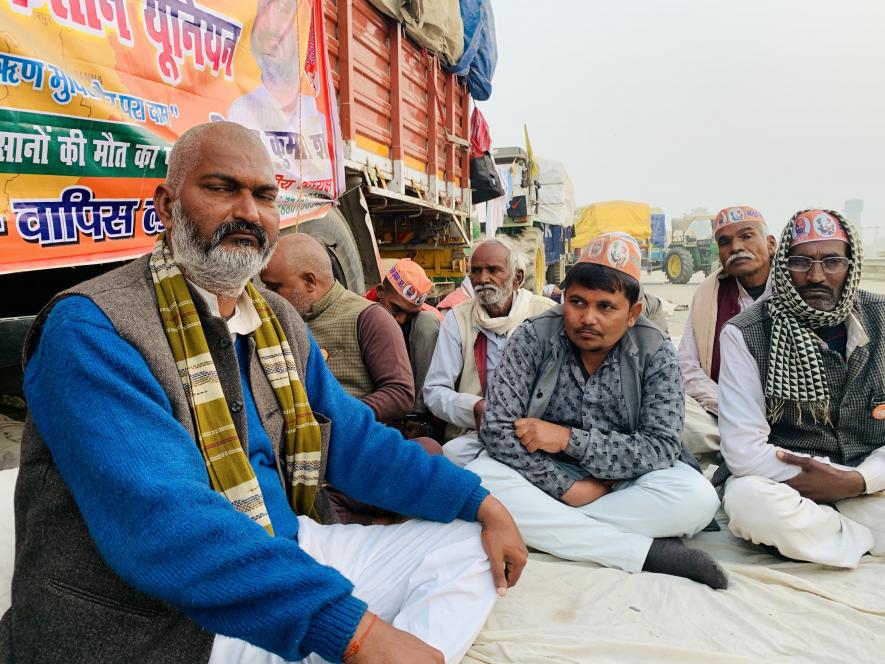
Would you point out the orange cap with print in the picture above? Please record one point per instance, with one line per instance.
(737, 214)
(410, 280)
(814, 226)
(618, 251)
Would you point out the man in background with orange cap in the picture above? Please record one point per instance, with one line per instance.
(802, 402)
(582, 429)
(745, 251)
(403, 292)
(472, 337)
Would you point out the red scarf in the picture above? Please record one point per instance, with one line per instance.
(727, 307)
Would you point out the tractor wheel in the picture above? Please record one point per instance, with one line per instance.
(678, 266)
(333, 233)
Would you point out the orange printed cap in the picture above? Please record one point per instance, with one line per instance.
(618, 251)
(410, 280)
(814, 226)
(736, 214)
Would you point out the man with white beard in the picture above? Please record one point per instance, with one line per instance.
(170, 497)
(470, 342)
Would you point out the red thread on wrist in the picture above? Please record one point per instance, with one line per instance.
(357, 642)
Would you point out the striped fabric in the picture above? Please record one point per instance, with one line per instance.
(228, 466)
(796, 374)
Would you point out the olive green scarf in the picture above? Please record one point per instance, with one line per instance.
(228, 467)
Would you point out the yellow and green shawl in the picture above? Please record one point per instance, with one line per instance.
(228, 467)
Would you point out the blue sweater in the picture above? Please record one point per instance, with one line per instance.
(140, 483)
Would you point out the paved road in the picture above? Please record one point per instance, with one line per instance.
(656, 283)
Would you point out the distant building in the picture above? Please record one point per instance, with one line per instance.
(853, 210)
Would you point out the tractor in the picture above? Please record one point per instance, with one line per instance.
(691, 249)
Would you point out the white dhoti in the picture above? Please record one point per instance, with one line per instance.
(700, 430)
(615, 530)
(429, 579)
(463, 449)
(768, 512)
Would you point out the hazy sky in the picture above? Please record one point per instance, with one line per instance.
(779, 104)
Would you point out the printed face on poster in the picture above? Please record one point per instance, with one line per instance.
(97, 91)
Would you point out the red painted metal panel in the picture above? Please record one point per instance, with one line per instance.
(431, 104)
(396, 83)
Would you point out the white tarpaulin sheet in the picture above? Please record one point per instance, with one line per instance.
(773, 611)
(556, 196)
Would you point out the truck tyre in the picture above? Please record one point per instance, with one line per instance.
(556, 272)
(333, 232)
(678, 266)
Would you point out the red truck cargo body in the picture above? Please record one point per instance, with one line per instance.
(400, 112)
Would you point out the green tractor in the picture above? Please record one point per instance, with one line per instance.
(691, 249)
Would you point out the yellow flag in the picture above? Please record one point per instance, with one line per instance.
(533, 167)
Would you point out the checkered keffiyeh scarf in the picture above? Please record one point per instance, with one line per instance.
(228, 467)
(795, 367)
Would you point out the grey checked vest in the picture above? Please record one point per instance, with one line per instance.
(856, 388)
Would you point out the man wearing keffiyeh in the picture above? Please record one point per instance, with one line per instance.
(802, 402)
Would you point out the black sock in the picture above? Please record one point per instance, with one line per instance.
(668, 555)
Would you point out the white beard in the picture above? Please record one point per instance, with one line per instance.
(220, 270)
(492, 295)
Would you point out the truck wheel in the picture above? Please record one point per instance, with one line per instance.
(556, 272)
(678, 266)
(334, 233)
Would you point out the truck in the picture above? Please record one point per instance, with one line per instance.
(539, 213)
(377, 167)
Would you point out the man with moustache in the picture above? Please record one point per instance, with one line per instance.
(582, 429)
(802, 402)
(471, 339)
(745, 251)
(169, 499)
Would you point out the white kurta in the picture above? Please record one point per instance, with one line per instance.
(441, 396)
(763, 509)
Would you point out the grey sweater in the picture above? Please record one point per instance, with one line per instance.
(626, 419)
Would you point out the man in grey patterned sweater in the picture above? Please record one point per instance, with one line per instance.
(582, 429)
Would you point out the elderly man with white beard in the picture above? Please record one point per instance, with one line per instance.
(183, 424)
(471, 339)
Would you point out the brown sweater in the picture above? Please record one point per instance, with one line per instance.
(387, 361)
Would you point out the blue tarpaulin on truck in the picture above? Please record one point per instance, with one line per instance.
(658, 229)
(480, 56)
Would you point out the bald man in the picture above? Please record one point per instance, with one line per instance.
(174, 464)
(365, 347)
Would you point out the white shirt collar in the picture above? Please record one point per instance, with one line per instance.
(245, 319)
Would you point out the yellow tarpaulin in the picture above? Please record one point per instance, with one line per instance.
(624, 216)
